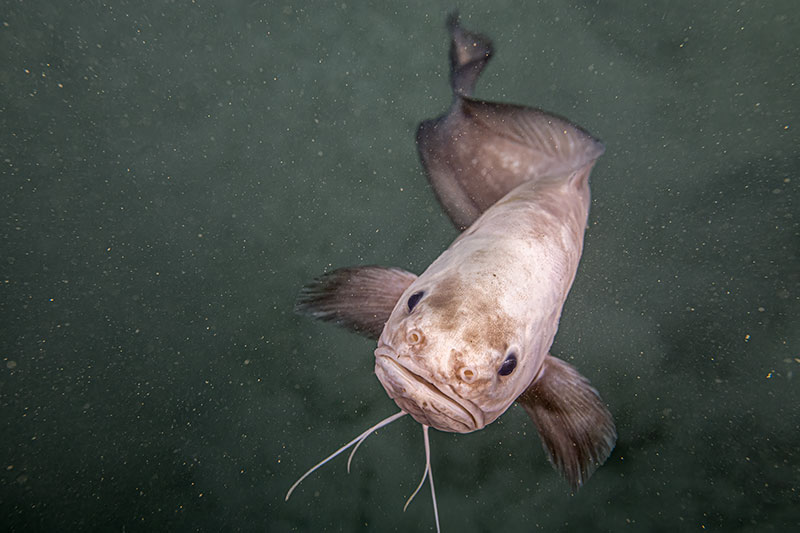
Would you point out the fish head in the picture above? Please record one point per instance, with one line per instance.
(453, 356)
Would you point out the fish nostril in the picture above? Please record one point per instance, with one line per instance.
(467, 374)
(415, 336)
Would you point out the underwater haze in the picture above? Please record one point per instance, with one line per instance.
(174, 172)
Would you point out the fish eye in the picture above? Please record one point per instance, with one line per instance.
(508, 365)
(414, 299)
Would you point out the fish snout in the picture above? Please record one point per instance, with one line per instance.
(426, 402)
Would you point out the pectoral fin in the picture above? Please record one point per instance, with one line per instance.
(357, 298)
(576, 429)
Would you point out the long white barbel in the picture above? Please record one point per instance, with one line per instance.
(429, 474)
(358, 439)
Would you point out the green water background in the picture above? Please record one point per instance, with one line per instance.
(173, 172)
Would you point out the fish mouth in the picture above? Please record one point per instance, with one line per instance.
(423, 400)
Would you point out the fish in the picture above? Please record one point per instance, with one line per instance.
(460, 343)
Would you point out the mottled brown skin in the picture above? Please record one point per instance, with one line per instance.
(498, 289)
(452, 303)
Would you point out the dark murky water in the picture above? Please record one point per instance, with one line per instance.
(172, 174)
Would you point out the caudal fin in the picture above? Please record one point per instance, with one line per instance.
(469, 53)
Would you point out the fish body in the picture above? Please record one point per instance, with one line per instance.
(470, 336)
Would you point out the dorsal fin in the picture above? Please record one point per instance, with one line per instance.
(551, 145)
(480, 151)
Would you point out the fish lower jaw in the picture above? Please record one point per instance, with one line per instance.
(435, 420)
(423, 401)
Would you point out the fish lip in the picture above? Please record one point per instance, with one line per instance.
(474, 414)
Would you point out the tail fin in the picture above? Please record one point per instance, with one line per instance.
(469, 53)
